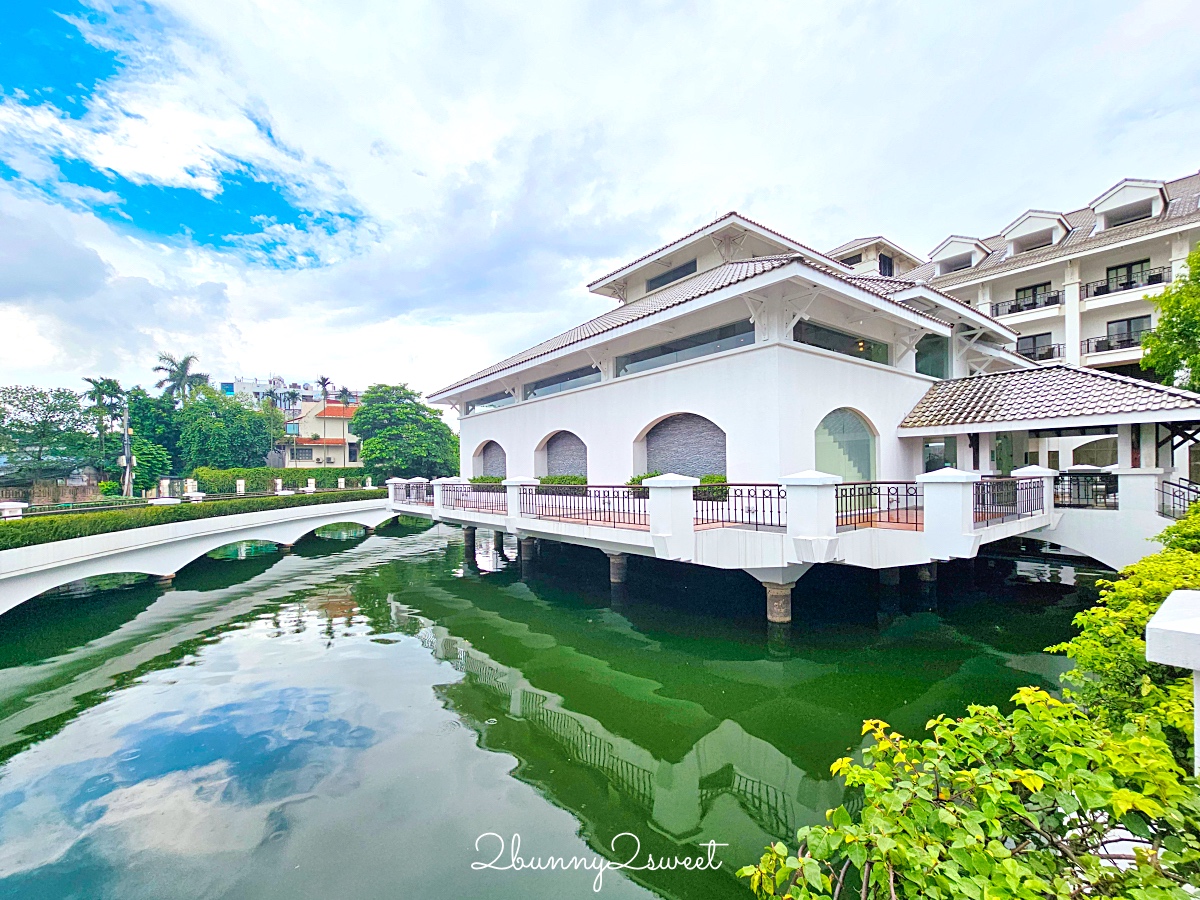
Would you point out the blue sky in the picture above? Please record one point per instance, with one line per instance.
(404, 192)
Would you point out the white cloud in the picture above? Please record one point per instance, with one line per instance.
(501, 156)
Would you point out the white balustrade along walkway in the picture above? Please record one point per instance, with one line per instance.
(162, 550)
(777, 532)
(1173, 639)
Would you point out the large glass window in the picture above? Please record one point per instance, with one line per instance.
(933, 356)
(846, 446)
(940, 452)
(840, 342)
(564, 382)
(1130, 329)
(302, 453)
(683, 271)
(1038, 346)
(491, 401)
(1031, 297)
(1126, 276)
(716, 340)
(885, 265)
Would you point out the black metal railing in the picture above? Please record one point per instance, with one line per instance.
(1023, 304)
(616, 506)
(758, 506)
(1145, 278)
(1175, 498)
(489, 498)
(1005, 499)
(1046, 351)
(1086, 491)
(419, 493)
(1114, 342)
(880, 504)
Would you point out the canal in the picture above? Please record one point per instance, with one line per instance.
(349, 719)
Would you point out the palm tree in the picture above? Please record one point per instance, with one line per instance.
(325, 385)
(346, 397)
(106, 396)
(179, 381)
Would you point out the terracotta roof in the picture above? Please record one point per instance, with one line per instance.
(1183, 207)
(319, 442)
(692, 234)
(1047, 392)
(689, 289)
(337, 411)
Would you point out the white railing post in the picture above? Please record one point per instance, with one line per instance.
(949, 516)
(12, 509)
(512, 487)
(393, 488)
(439, 503)
(1047, 476)
(240, 486)
(1173, 639)
(310, 486)
(812, 514)
(672, 515)
(1137, 489)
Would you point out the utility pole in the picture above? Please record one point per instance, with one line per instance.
(127, 450)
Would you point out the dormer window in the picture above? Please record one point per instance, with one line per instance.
(682, 271)
(1124, 215)
(954, 264)
(851, 260)
(1034, 241)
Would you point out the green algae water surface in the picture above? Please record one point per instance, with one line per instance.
(369, 717)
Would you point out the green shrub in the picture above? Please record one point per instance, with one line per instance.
(488, 484)
(563, 485)
(487, 479)
(719, 494)
(109, 488)
(27, 532)
(638, 479)
(262, 478)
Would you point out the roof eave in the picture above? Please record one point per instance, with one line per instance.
(1100, 419)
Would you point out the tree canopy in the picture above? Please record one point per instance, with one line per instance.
(179, 381)
(222, 432)
(44, 433)
(401, 436)
(1173, 348)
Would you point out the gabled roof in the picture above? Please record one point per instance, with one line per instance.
(842, 249)
(730, 218)
(337, 411)
(1146, 183)
(696, 286)
(974, 243)
(1046, 393)
(1182, 209)
(1044, 214)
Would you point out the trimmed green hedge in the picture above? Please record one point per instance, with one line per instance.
(262, 478)
(27, 532)
(486, 479)
(699, 493)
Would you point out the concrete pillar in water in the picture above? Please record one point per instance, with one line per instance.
(618, 596)
(779, 602)
(927, 584)
(526, 547)
(164, 580)
(618, 564)
(283, 549)
(779, 640)
(927, 573)
(469, 545)
(498, 541)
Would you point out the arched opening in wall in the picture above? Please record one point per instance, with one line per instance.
(562, 453)
(1102, 452)
(490, 460)
(685, 444)
(846, 446)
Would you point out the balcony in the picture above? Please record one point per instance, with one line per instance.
(1044, 353)
(1011, 307)
(1145, 278)
(1114, 342)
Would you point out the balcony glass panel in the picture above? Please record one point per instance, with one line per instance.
(716, 340)
(840, 342)
(1127, 277)
(492, 401)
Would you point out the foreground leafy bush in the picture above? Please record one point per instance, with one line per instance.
(262, 478)
(718, 494)
(1112, 678)
(109, 488)
(1028, 805)
(26, 532)
(563, 485)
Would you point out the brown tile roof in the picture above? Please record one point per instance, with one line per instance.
(1183, 207)
(691, 234)
(1047, 392)
(689, 289)
(337, 411)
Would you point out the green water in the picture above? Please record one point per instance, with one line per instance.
(347, 720)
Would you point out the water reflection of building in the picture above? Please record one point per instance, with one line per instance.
(730, 786)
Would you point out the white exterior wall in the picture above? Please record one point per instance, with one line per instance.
(765, 398)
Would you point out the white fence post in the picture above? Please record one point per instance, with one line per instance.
(949, 517)
(12, 509)
(512, 487)
(241, 486)
(1173, 639)
(672, 515)
(393, 488)
(342, 484)
(164, 487)
(812, 514)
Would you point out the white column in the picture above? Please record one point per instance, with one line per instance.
(1179, 255)
(240, 486)
(512, 487)
(1072, 310)
(1173, 639)
(164, 487)
(672, 516)
(12, 509)
(949, 517)
(1125, 446)
(1137, 489)
(987, 450)
(812, 514)
(393, 489)
(1047, 476)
